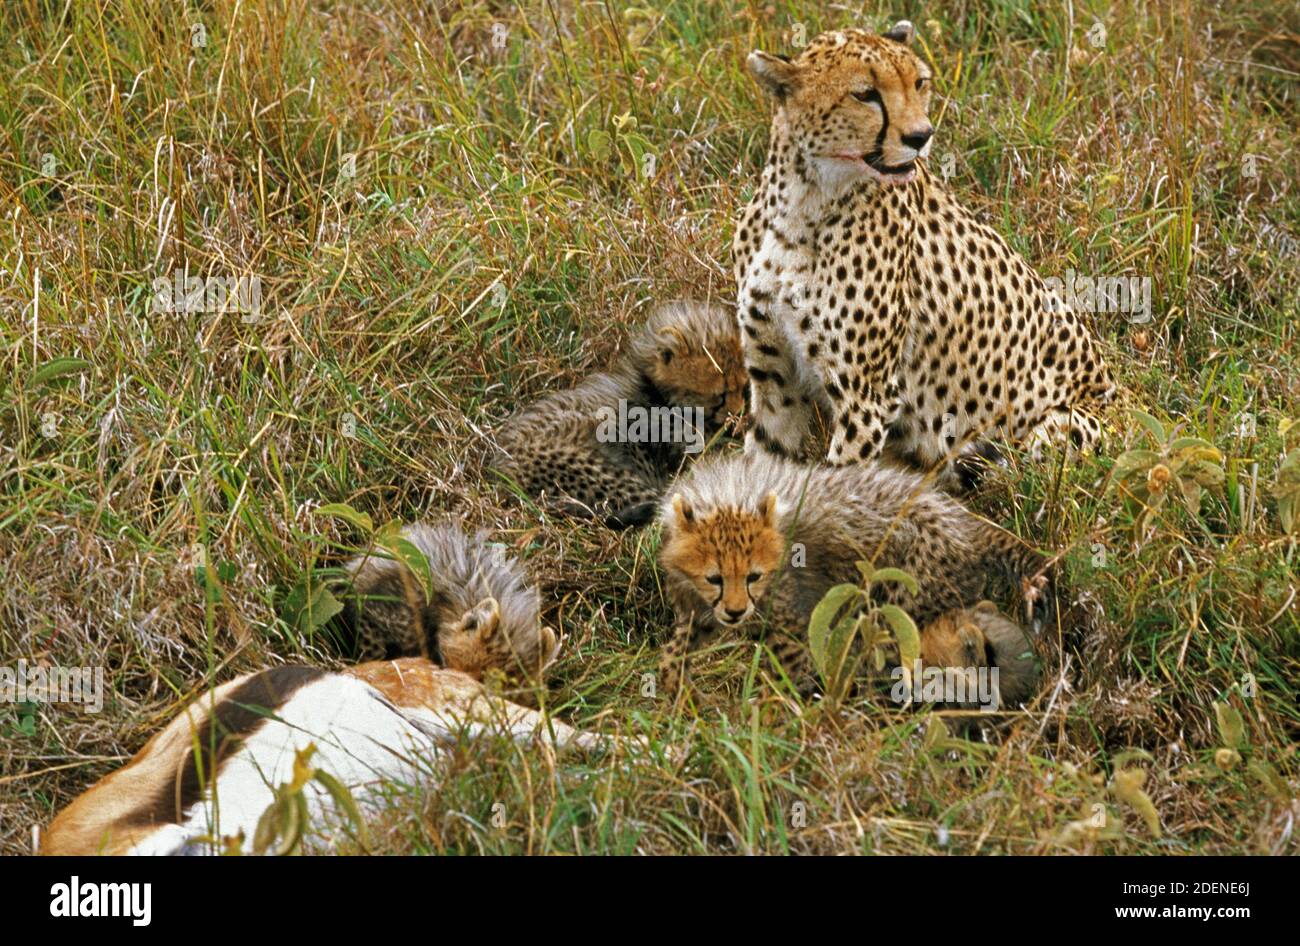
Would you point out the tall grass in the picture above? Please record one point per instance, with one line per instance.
(453, 208)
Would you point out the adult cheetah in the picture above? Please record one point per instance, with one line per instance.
(869, 296)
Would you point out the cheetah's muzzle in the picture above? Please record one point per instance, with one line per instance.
(889, 173)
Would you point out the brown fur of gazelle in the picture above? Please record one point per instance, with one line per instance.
(381, 714)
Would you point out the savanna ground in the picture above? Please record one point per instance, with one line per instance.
(456, 208)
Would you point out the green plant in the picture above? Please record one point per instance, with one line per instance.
(311, 603)
(1286, 483)
(1183, 467)
(848, 628)
(283, 825)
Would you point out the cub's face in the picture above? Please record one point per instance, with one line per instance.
(478, 644)
(728, 556)
(709, 374)
(954, 640)
(854, 105)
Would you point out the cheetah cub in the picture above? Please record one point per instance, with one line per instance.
(608, 448)
(865, 286)
(753, 542)
(980, 637)
(483, 614)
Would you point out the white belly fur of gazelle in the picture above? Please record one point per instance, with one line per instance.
(377, 723)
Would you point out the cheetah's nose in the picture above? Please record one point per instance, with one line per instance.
(735, 615)
(917, 139)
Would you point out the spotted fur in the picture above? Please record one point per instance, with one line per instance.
(688, 355)
(752, 543)
(867, 290)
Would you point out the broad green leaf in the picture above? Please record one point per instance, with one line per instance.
(347, 513)
(292, 824)
(936, 734)
(905, 632)
(1195, 443)
(1156, 428)
(323, 606)
(410, 555)
(267, 825)
(309, 614)
(343, 798)
(1133, 461)
(819, 625)
(897, 575)
(1207, 474)
(598, 143)
(841, 667)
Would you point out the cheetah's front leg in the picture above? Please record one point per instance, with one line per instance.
(787, 401)
(864, 408)
(1064, 428)
(859, 432)
(672, 662)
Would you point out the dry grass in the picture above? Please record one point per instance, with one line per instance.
(478, 167)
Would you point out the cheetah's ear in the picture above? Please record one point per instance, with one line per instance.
(684, 513)
(767, 509)
(550, 647)
(484, 618)
(901, 32)
(778, 76)
(972, 644)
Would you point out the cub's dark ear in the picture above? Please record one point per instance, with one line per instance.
(778, 75)
(684, 513)
(901, 32)
(768, 508)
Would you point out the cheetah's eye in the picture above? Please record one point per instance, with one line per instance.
(754, 576)
(869, 96)
(920, 83)
(715, 580)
